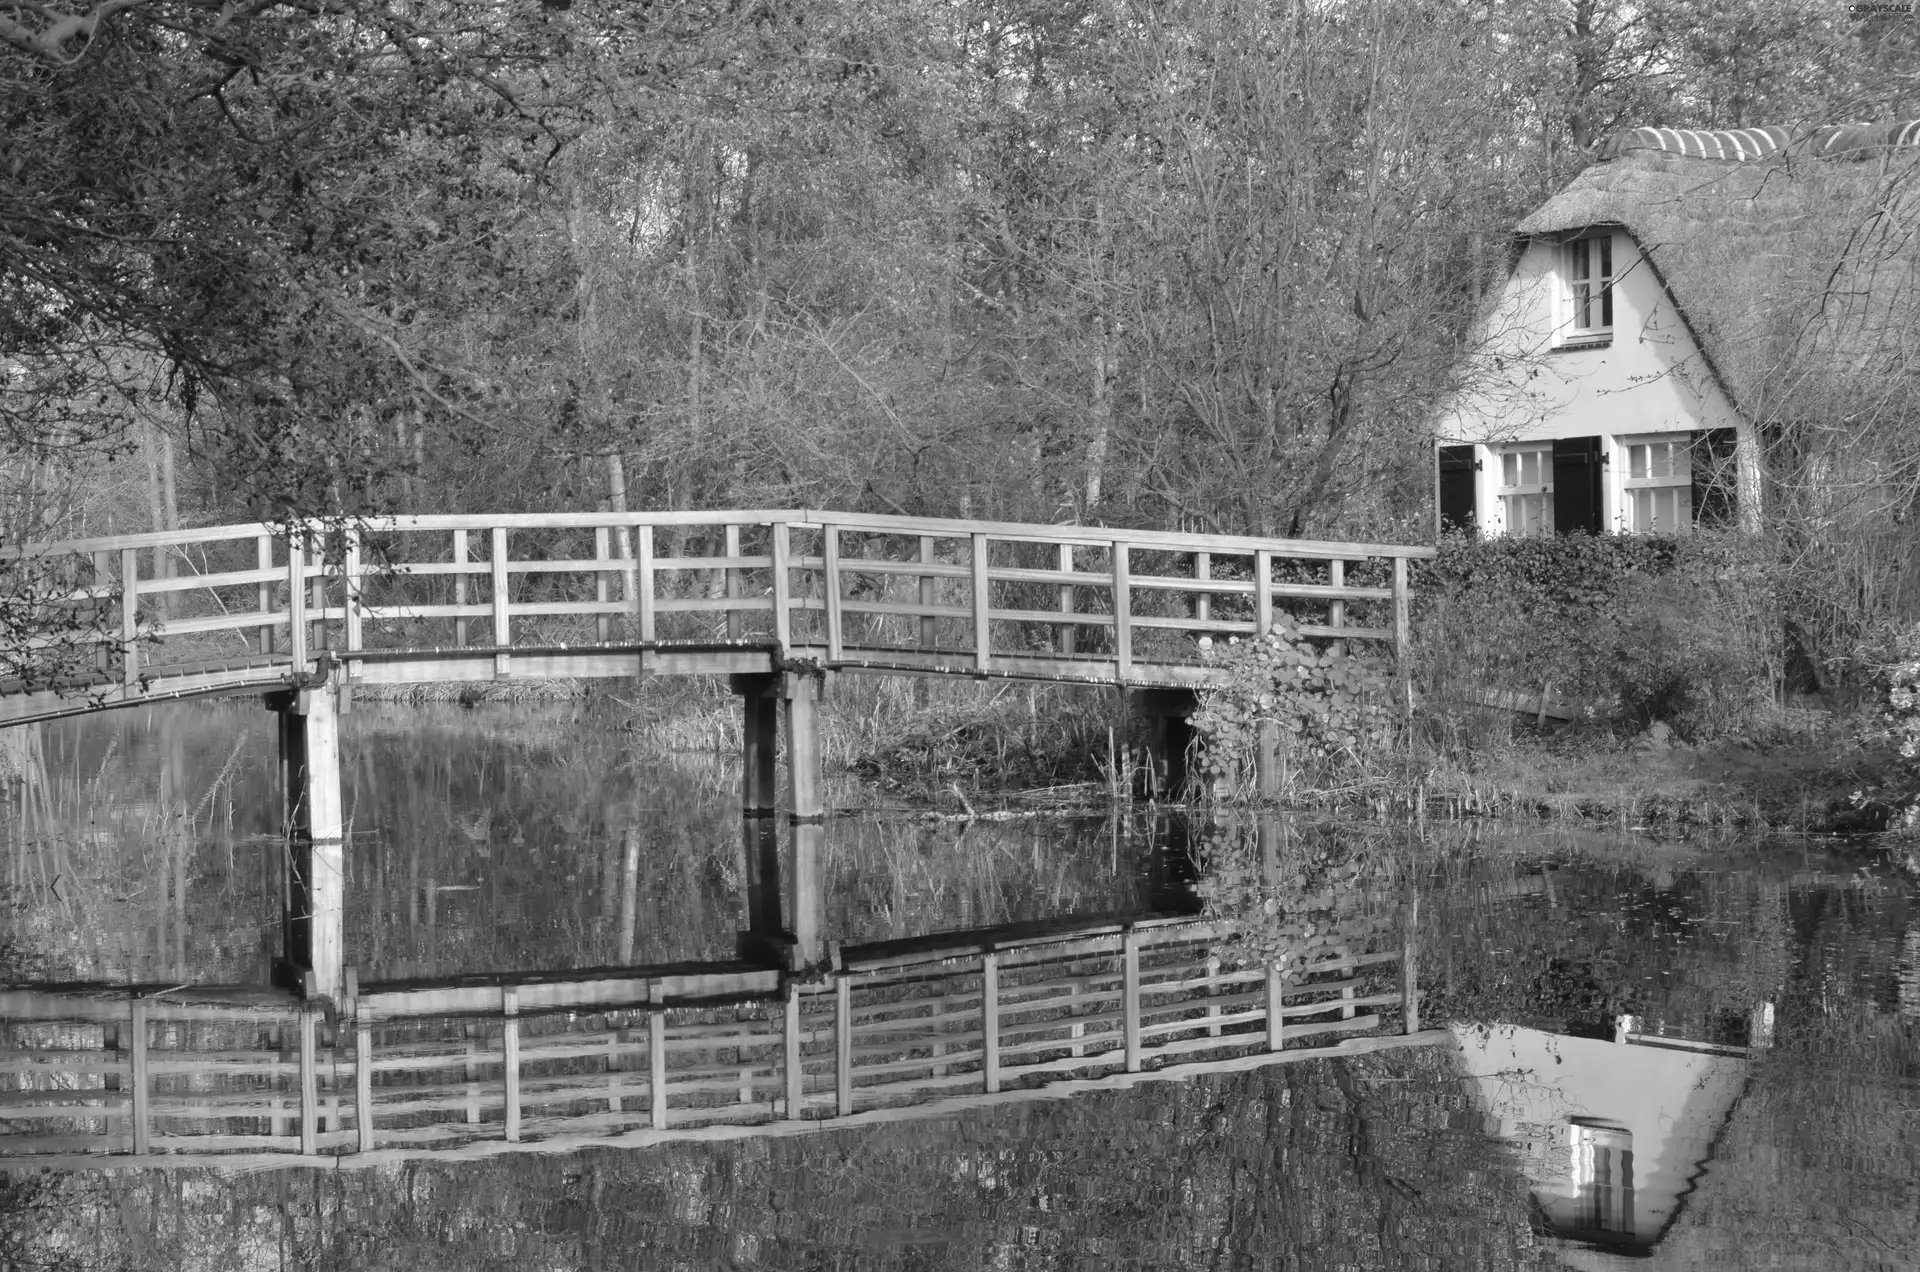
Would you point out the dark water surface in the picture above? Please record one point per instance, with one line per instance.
(144, 849)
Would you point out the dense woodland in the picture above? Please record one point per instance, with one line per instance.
(1201, 265)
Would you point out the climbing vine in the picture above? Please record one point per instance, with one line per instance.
(1332, 710)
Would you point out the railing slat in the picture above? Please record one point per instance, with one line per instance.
(830, 580)
(1122, 615)
(790, 1059)
(990, 1021)
(309, 1083)
(142, 1080)
(782, 553)
(460, 584)
(643, 581)
(982, 625)
(510, 1058)
(1130, 997)
(1065, 633)
(843, 1044)
(502, 624)
(1262, 593)
(657, 1069)
(929, 595)
(602, 542)
(733, 582)
(129, 616)
(363, 1085)
(263, 559)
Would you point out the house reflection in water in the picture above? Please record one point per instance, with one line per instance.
(1613, 1135)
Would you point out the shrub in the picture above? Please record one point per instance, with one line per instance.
(1638, 628)
(1331, 709)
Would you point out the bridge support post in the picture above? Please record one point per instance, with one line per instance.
(806, 786)
(1169, 737)
(314, 918)
(795, 938)
(1267, 760)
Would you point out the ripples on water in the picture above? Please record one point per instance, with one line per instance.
(498, 840)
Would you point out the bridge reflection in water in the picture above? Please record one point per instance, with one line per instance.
(791, 1035)
(248, 1079)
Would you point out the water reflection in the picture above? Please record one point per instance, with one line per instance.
(1539, 1141)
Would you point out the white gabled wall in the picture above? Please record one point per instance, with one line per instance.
(1524, 384)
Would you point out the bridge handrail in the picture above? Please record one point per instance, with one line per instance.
(938, 527)
(487, 596)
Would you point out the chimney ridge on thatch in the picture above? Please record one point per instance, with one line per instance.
(1743, 145)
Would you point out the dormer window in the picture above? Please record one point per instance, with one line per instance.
(1590, 289)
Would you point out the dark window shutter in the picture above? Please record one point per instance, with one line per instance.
(1576, 485)
(1456, 489)
(1716, 479)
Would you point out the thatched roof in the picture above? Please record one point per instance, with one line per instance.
(1786, 268)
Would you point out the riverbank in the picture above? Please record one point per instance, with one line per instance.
(943, 744)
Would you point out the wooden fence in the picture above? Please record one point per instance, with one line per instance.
(92, 1081)
(458, 597)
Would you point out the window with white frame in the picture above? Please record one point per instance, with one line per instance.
(1656, 483)
(1603, 1175)
(1526, 488)
(1590, 288)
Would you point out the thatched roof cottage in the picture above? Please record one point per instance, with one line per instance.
(1687, 312)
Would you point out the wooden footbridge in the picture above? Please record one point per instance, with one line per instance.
(780, 601)
(246, 1079)
(405, 600)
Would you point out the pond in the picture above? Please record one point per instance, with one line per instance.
(1768, 1100)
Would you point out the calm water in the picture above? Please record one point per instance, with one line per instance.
(498, 840)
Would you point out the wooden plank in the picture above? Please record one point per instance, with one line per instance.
(129, 616)
(351, 583)
(1122, 615)
(1409, 960)
(1276, 1011)
(602, 592)
(925, 567)
(1262, 593)
(1066, 633)
(309, 1081)
(472, 1093)
(1337, 606)
(930, 590)
(980, 604)
(729, 560)
(60, 1102)
(460, 554)
(1213, 996)
(732, 545)
(790, 1061)
(142, 1079)
(502, 624)
(782, 551)
(510, 1060)
(830, 582)
(1302, 549)
(263, 593)
(843, 1045)
(905, 611)
(990, 1021)
(1130, 997)
(657, 1069)
(363, 1086)
(596, 1134)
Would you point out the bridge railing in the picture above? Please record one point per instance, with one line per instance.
(1078, 602)
(86, 1077)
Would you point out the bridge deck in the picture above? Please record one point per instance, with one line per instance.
(242, 1079)
(139, 618)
